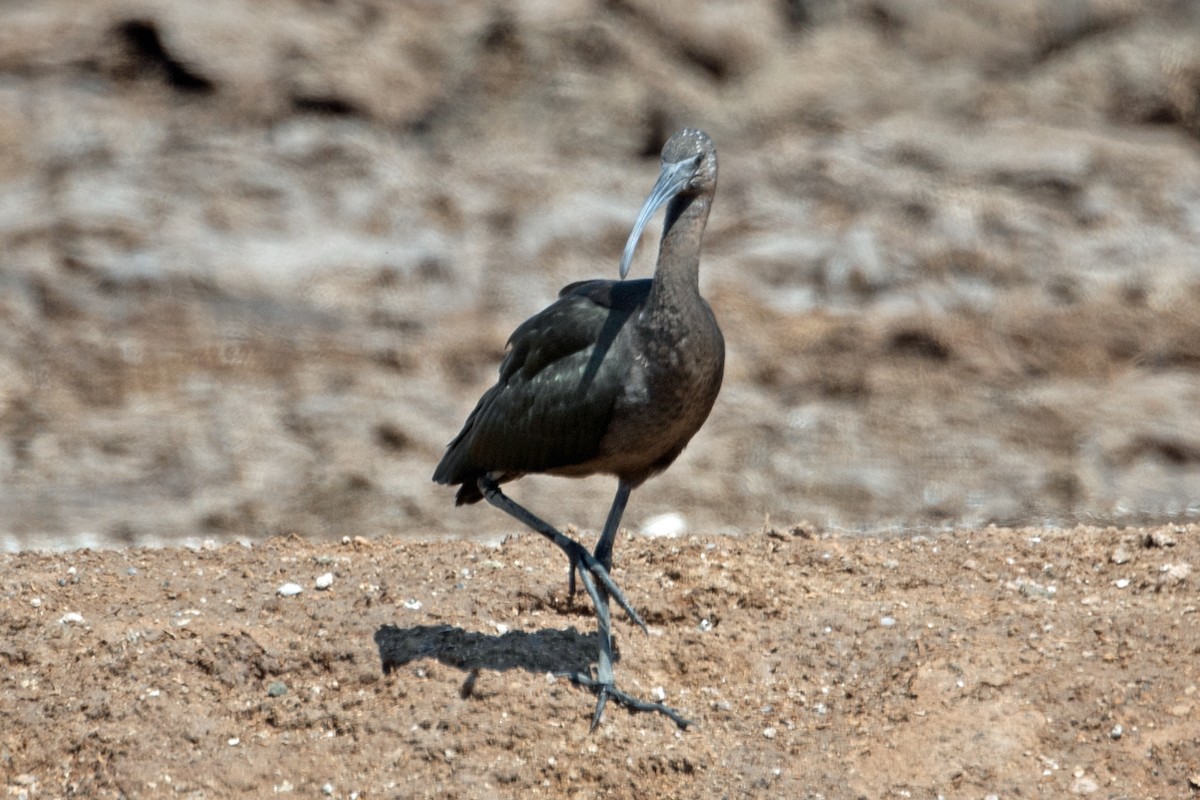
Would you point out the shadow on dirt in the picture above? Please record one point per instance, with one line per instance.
(556, 651)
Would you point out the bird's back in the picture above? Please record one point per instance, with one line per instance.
(553, 403)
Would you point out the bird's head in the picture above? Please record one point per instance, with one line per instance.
(689, 167)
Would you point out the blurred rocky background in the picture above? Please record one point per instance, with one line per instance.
(259, 259)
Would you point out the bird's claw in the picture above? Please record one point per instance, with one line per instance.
(606, 690)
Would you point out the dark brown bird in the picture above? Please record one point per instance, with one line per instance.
(615, 377)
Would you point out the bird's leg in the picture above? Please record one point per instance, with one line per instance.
(603, 683)
(604, 545)
(603, 554)
(599, 586)
(580, 558)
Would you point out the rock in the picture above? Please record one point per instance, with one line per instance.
(289, 590)
(325, 581)
(1033, 589)
(1175, 573)
(1159, 538)
(664, 526)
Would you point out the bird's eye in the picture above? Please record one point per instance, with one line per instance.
(697, 159)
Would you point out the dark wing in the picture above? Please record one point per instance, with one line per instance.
(558, 383)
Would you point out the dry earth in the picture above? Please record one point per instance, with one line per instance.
(989, 663)
(258, 260)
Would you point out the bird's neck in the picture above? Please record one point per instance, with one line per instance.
(677, 276)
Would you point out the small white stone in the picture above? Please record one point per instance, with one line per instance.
(769, 733)
(1122, 583)
(36, 602)
(290, 590)
(887, 622)
(324, 582)
(664, 526)
(234, 742)
(71, 616)
(658, 693)
(1177, 572)
(328, 789)
(412, 605)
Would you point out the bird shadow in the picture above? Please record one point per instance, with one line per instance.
(556, 651)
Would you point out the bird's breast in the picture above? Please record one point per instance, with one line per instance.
(671, 382)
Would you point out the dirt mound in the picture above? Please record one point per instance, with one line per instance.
(1030, 663)
(256, 271)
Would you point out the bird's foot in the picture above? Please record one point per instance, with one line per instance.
(582, 560)
(605, 690)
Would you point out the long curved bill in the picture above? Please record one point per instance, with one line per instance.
(671, 181)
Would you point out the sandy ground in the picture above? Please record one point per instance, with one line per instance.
(255, 268)
(997, 662)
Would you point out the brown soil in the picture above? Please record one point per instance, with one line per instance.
(257, 265)
(997, 662)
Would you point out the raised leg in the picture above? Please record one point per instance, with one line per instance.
(580, 558)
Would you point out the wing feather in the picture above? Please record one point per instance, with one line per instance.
(558, 384)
